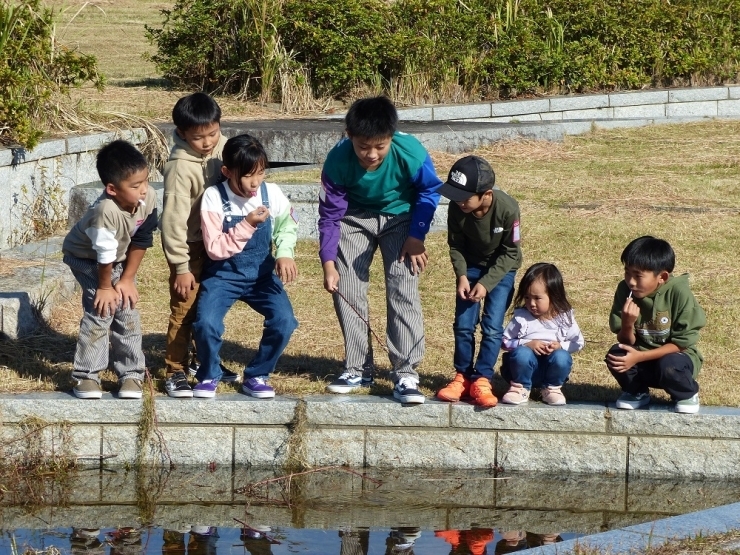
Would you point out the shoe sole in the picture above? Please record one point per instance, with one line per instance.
(556, 404)
(628, 406)
(687, 410)
(87, 394)
(258, 394)
(129, 394)
(204, 394)
(485, 405)
(341, 388)
(180, 394)
(410, 399)
(515, 403)
(448, 399)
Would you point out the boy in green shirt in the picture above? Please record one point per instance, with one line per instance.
(657, 322)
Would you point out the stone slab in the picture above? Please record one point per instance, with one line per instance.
(371, 411)
(230, 408)
(45, 149)
(414, 114)
(520, 107)
(63, 406)
(564, 103)
(83, 143)
(336, 447)
(432, 449)
(734, 92)
(514, 119)
(551, 116)
(543, 452)
(641, 111)
(200, 445)
(461, 111)
(706, 109)
(623, 123)
(698, 94)
(573, 417)
(589, 113)
(661, 420)
(728, 108)
(695, 458)
(260, 446)
(119, 443)
(638, 98)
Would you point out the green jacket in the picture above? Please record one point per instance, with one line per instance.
(491, 242)
(670, 315)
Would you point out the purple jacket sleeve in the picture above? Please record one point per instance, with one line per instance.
(427, 184)
(332, 207)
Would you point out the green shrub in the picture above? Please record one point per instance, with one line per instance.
(33, 69)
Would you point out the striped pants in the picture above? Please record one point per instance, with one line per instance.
(361, 233)
(124, 326)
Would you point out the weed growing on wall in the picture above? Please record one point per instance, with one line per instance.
(41, 208)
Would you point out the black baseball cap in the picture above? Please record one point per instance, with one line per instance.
(469, 176)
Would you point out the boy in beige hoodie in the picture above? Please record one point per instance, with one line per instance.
(194, 164)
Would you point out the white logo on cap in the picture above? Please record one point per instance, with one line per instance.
(459, 177)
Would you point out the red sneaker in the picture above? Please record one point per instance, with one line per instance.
(457, 388)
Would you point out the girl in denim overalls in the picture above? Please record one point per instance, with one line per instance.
(241, 217)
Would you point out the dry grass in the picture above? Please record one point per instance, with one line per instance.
(582, 201)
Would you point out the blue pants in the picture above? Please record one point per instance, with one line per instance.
(264, 295)
(468, 316)
(525, 367)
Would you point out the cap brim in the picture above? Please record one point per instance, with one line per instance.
(453, 193)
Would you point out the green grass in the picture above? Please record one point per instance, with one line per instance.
(634, 182)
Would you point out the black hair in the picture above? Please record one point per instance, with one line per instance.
(195, 110)
(244, 155)
(553, 280)
(371, 118)
(117, 161)
(650, 254)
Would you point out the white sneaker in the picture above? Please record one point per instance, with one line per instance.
(628, 401)
(688, 406)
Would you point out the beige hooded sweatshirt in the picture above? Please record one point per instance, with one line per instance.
(186, 175)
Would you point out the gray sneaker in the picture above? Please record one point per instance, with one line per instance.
(630, 402)
(87, 389)
(130, 389)
(688, 406)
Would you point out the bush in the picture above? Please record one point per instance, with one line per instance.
(33, 69)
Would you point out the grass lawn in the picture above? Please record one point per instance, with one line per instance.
(582, 201)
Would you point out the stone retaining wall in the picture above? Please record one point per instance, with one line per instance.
(371, 431)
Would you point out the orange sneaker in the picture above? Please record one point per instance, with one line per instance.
(459, 387)
(482, 394)
(450, 536)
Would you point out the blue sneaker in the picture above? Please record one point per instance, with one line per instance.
(345, 383)
(257, 387)
(206, 389)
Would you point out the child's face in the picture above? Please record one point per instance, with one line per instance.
(476, 202)
(537, 301)
(202, 139)
(371, 151)
(129, 191)
(246, 185)
(643, 283)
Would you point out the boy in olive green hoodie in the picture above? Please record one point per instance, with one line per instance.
(657, 322)
(194, 164)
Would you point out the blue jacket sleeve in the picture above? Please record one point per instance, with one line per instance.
(427, 184)
(143, 237)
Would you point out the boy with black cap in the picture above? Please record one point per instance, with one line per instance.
(483, 235)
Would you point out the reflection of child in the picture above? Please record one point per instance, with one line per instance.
(241, 218)
(540, 338)
(511, 541)
(203, 540)
(467, 542)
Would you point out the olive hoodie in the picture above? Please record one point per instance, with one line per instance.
(669, 315)
(186, 175)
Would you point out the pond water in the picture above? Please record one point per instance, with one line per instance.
(215, 511)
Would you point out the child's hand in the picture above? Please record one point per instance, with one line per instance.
(630, 312)
(331, 277)
(414, 249)
(463, 287)
(539, 347)
(257, 216)
(621, 363)
(285, 269)
(106, 301)
(183, 285)
(554, 346)
(128, 293)
(477, 293)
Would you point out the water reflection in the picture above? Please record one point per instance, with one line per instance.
(199, 511)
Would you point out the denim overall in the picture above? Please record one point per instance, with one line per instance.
(247, 276)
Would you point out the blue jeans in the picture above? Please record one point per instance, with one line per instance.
(266, 296)
(468, 316)
(525, 367)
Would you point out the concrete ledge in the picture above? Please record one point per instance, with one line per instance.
(371, 431)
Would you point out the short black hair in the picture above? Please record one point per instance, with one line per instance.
(552, 278)
(244, 155)
(117, 161)
(371, 118)
(649, 254)
(195, 110)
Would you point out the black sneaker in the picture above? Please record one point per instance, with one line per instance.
(406, 391)
(345, 383)
(227, 375)
(177, 386)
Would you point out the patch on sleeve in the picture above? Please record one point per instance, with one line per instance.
(516, 234)
(293, 215)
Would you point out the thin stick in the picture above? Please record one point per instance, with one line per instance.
(367, 323)
(313, 470)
